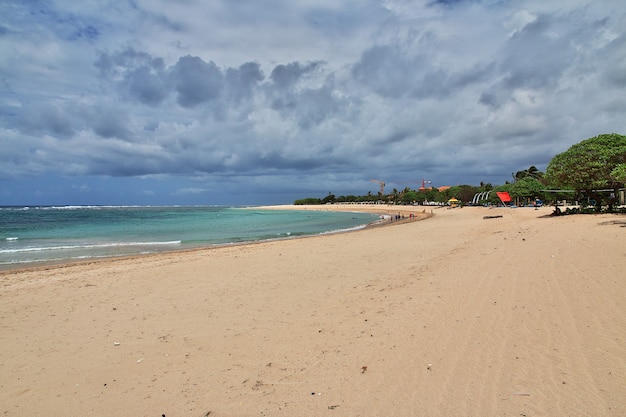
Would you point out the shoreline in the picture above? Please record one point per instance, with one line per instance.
(46, 265)
(457, 315)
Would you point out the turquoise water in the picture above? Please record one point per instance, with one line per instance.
(33, 235)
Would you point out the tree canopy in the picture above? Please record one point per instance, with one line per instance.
(527, 187)
(591, 165)
(619, 173)
(531, 172)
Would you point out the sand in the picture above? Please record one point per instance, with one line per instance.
(454, 315)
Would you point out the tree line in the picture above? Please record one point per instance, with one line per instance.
(592, 171)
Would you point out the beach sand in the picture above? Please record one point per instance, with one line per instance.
(454, 315)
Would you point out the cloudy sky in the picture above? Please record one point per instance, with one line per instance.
(267, 101)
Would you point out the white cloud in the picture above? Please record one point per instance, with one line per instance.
(518, 20)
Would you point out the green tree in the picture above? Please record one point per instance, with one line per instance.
(330, 198)
(466, 193)
(307, 201)
(409, 197)
(486, 186)
(420, 197)
(619, 173)
(588, 166)
(531, 172)
(431, 194)
(394, 196)
(526, 188)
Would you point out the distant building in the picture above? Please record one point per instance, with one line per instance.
(440, 189)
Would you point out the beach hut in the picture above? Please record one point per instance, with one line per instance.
(453, 202)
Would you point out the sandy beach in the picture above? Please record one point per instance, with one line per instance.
(452, 315)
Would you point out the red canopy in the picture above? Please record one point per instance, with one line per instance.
(504, 196)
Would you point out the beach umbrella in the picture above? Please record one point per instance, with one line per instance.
(453, 200)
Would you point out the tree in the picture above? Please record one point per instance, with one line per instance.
(526, 188)
(307, 201)
(420, 197)
(531, 172)
(486, 186)
(588, 166)
(409, 197)
(330, 198)
(619, 173)
(394, 196)
(466, 193)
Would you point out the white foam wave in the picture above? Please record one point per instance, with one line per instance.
(88, 207)
(88, 246)
(350, 229)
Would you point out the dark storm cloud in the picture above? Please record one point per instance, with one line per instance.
(315, 105)
(156, 17)
(544, 53)
(119, 162)
(489, 98)
(290, 94)
(392, 71)
(479, 73)
(386, 70)
(137, 74)
(450, 3)
(538, 55)
(613, 60)
(46, 119)
(128, 59)
(241, 82)
(87, 32)
(193, 80)
(308, 107)
(286, 76)
(196, 81)
(275, 160)
(147, 86)
(110, 122)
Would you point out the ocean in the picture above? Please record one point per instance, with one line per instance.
(31, 236)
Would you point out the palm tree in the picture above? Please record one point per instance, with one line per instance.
(394, 196)
(532, 172)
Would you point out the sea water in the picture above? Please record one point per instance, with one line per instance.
(35, 235)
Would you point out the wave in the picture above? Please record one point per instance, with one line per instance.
(350, 229)
(89, 246)
(46, 260)
(102, 207)
(138, 206)
(86, 207)
(78, 207)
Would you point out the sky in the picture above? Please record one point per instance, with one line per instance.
(235, 102)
